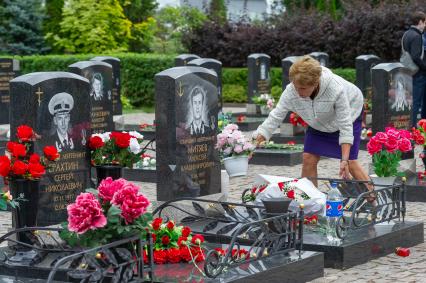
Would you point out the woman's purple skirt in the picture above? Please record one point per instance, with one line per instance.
(327, 144)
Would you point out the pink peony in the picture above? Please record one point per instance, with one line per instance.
(405, 134)
(391, 144)
(381, 137)
(108, 187)
(404, 145)
(374, 146)
(227, 151)
(86, 213)
(133, 207)
(238, 148)
(129, 190)
(392, 133)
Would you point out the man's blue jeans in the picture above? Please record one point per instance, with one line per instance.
(419, 99)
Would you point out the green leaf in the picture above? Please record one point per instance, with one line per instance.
(3, 204)
(92, 191)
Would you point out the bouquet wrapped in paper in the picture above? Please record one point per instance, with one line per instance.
(299, 190)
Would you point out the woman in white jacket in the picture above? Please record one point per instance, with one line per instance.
(332, 108)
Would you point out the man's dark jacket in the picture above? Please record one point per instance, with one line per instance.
(413, 44)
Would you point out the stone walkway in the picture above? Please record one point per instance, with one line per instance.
(385, 269)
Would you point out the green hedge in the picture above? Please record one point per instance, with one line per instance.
(235, 82)
(138, 71)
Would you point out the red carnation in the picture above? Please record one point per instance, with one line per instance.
(4, 166)
(290, 194)
(198, 254)
(122, 140)
(170, 225)
(19, 150)
(160, 257)
(197, 239)
(96, 142)
(36, 170)
(19, 167)
(157, 223)
(182, 241)
(24, 133)
(51, 153)
(186, 231)
(165, 240)
(173, 255)
(185, 254)
(220, 251)
(10, 145)
(34, 158)
(154, 238)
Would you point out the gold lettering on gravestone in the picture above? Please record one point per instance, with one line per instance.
(39, 93)
(5, 65)
(180, 90)
(263, 87)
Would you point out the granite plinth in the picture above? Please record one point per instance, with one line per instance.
(365, 244)
(278, 268)
(253, 115)
(416, 189)
(249, 123)
(140, 175)
(278, 138)
(277, 157)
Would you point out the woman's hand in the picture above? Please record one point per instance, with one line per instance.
(260, 139)
(344, 169)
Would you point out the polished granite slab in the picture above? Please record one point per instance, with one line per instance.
(248, 123)
(365, 244)
(276, 157)
(278, 138)
(290, 268)
(416, 189)
(148, 174)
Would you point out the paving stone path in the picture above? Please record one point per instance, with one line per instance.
(385, 269)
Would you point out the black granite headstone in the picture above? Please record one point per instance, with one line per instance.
(183, 59)
(117, 107)
(259, 81)
(285, 66)
(322, 57)
(99, 75)
(213, 65)
(392, 96)
(57, 106)
(9, 69)
(363, 65)
(186, 111)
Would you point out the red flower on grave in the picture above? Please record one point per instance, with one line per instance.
(290, 194)
(51, 153)
(25, 133)
(185, 254)
(197, 239)
(241, 118)
(34, 158)
(160, 256)
(19, 167)
(173, 255)
(96, 142)
(4, 166)
(122, 140)
(19, 150)
(422, 123)
(170, 225)
(165, 240)
(182, 241)
(186, 231)
(291, 143)
(85, 214)
(36, 170)
(156, 223)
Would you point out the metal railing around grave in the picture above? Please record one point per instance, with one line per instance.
(362, 208)
(118, 261)
(241, 226)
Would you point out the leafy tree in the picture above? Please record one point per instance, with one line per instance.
(217, 11)
(53, 17)
(21, 27)
(92, 27)
(140, 13)
(172, 24)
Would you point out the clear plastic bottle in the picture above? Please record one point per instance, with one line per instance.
(334, 209)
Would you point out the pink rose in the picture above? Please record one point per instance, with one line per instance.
(391, 144)
(238, 148)
(108, 187)
(86, 213)
(374, 146)
(405, 134)
(404, 145)
(392, 133)
(129, 190)
(133, 207)
(381, 137)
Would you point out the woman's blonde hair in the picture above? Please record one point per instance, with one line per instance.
(306, 71)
